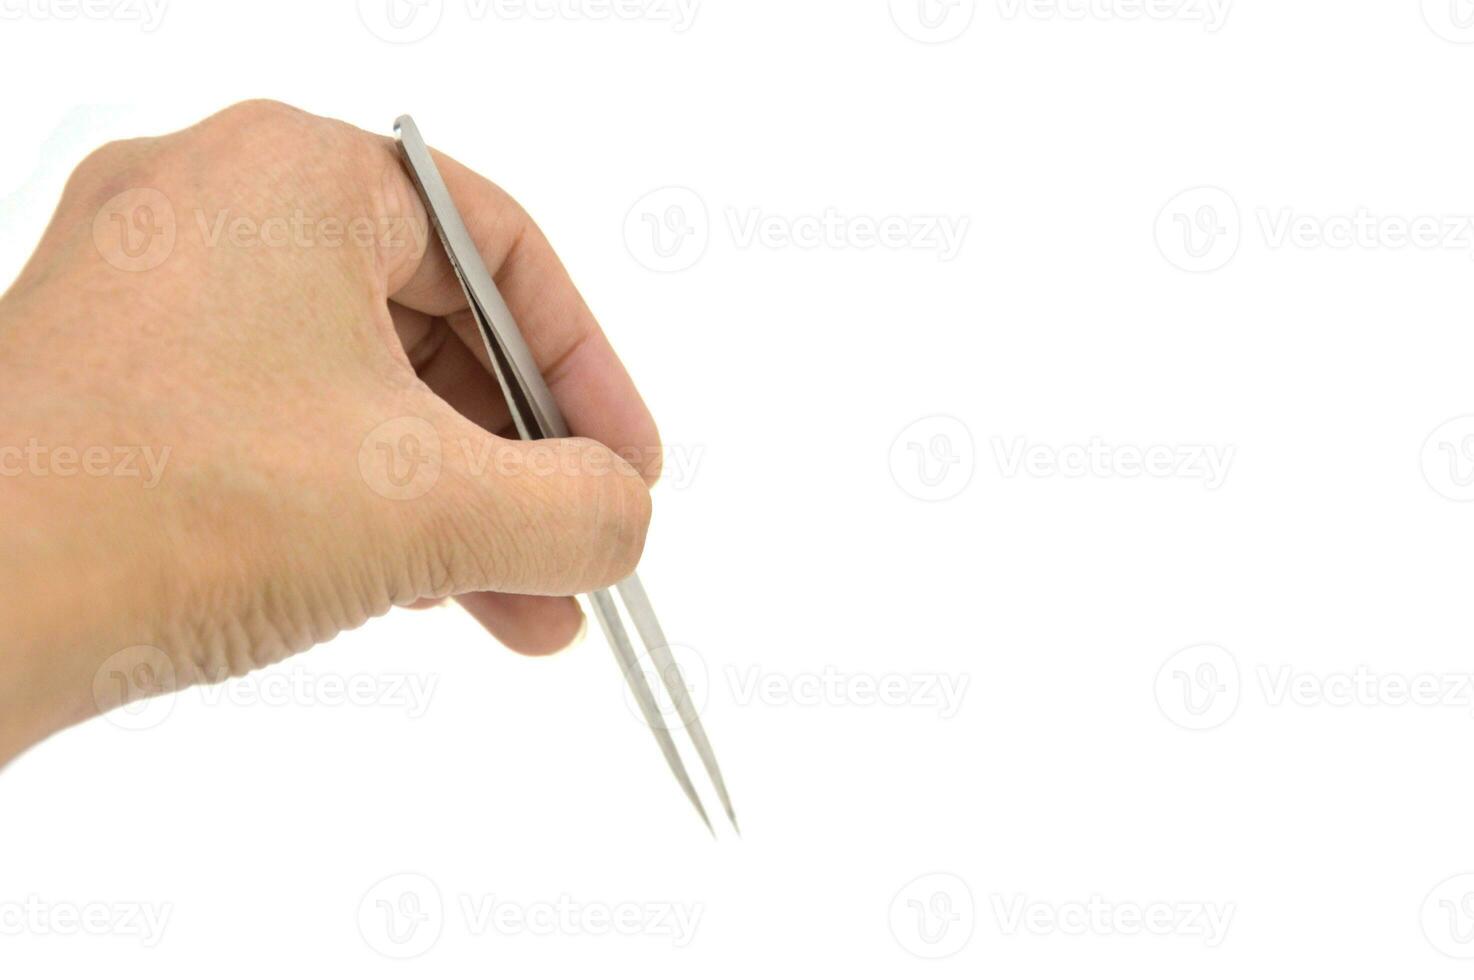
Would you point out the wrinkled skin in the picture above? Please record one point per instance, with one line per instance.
(256, 304)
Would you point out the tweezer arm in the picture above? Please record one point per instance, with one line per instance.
(533, 408)
(536, 416)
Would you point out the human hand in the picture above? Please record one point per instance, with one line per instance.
(243, 407)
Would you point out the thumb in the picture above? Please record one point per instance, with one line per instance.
(473, 512)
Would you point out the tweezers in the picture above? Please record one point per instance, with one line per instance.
(535, 414)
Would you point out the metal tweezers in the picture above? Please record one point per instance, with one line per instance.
(536, 416)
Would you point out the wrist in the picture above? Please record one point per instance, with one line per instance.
(70, 602)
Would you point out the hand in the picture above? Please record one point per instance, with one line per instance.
(243, 407)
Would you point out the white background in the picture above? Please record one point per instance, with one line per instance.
(1279, 316)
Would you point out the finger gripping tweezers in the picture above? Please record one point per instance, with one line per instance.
(536, 416)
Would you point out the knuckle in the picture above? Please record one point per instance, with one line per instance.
(252, 113)
(278, 144)
(111, 165)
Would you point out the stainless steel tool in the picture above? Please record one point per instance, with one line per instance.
(536, 416)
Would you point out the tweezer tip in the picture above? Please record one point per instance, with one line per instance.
(706, 820)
